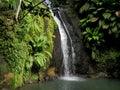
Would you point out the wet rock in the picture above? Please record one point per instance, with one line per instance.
(116, 74)
(50, 74)
(42, 76)
(98, 75)
(57, 52)
(7, 78)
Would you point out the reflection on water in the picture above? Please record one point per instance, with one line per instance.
(72, 78)
(88, 84)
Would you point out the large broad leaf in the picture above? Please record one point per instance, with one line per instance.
(85, 7)
(88, 30)
(83, 20)
(105, 26)
(99, 9)
(106, 15)
(114, 29)
(112, 18)
(94, 19)
(118, 24)
(89, 38)
(95, 32)
(95, 37)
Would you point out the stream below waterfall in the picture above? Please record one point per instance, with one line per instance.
(87, 84)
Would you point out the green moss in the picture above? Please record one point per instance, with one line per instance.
(107, 59)
(35, 77)
(27, 45)
(17, 80)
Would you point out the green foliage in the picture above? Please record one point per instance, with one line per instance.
(17, 80)
(35, 77)
(101, 21)
(100, 29)
(27, 43)
(93, 37)
(39, 38)
(108, 59)
(12, 3)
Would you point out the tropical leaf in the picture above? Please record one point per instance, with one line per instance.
(114, 29)
(48, 53)
(118, 24)
(89, 30)
(112, 18)
(40, 58)
(101, 23)
(83, 20)
(94, 19)
(89, 38)
(85, 7)
(95, 37)
(105, 26)
(106, 15)
(29, 63)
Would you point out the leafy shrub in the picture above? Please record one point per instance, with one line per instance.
(98, 15)
(108, 60)
(100, 24)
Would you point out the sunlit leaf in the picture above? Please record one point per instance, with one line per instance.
(94, 19)
(99, 9)
(89, 38)
(96, 37)
(105, 26)
(85, 7)
(114, 29)
(106, 15)
(101, 23)
(83, 20)
(112, 18)
(48, 53)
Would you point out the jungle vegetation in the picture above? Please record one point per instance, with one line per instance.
(100, 26)
(26, 40)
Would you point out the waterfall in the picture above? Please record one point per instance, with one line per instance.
(66, 44)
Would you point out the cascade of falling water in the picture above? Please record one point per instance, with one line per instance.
(71, 46)
(66, 45)
(67, 50)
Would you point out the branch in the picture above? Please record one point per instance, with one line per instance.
(32, 9)
(18, 10)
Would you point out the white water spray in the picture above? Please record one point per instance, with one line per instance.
(67, 50)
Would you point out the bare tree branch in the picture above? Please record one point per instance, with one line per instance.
(18, 10)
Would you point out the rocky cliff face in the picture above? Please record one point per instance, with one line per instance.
(57, 53)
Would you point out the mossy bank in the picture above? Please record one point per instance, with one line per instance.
(26, 46)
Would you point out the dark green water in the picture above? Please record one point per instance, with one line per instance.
(88, 84)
